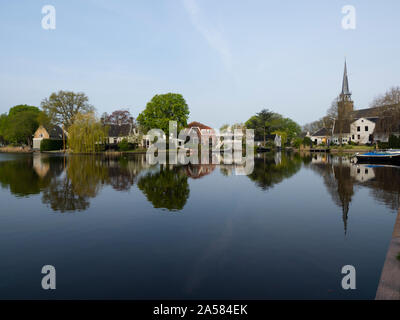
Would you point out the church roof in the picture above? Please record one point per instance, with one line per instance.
(345, 83)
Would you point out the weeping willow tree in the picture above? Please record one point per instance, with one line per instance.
(86, 134)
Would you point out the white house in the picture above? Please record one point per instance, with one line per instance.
(321, 136)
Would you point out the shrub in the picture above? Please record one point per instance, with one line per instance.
(394, 141)
(51, 145)
(383, 145)
(124, 145)
(307, 142)
(297, 142)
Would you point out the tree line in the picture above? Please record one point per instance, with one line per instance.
(87, 132)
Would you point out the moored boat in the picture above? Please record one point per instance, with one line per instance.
(389, 156)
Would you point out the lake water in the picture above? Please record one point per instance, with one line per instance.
(119, 228)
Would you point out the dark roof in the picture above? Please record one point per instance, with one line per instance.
(55, 132)
(368, 113)
(371, 114)
(122, 130)
(323, 132)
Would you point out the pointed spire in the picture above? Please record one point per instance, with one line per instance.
(345, 85)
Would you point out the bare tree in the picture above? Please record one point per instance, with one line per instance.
(118, 117)
(390, 97)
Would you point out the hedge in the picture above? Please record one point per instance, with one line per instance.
(50, 145)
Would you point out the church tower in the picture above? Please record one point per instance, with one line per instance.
(345, 104)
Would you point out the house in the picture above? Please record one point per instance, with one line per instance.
(203, 133)
(47, 132)
(118, 132)
(359, 126)
(277, 140)
(321, 136)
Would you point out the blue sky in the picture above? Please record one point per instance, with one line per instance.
(229, 59)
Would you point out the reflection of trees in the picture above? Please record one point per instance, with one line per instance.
(340, 180)
(85, 176)
(385, 187)
(122, 172)
(61, 196)
(23, 179)
(82, 180)
(167, 188)
(267, 172)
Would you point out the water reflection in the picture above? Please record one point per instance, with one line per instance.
(342, 178)
(69, 183)
(270, 169)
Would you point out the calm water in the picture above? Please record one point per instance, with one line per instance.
(119, 228)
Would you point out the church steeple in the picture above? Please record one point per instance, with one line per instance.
(345, 94)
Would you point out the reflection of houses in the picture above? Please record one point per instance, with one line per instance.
(46, 132)
(202, 133)
(319, 158)
(362, 173)
(41, 168)
(197, 171)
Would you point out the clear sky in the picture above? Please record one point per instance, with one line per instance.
(229, 58)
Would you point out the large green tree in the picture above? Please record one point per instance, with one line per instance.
(164, 108)
(63, 106)
(20, 124)
(267, 122)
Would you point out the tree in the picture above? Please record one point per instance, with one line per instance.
(63, 106)
(389, 115)
(224, 127)
(266, 122)
(118, 117)
(20, 124)
(390, 97)
(3, 123)
(86, 134)
(162, 109)
(264, 118)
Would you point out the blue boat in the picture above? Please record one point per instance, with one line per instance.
(388, 156)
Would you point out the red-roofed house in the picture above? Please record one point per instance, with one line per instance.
(204, 133)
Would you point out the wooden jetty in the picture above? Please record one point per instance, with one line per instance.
(326, 150)
(389, 284)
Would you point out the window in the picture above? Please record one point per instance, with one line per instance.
(353, 136)
(358, 137)
(366, 128)
(358, 170)
(366, 171)
(358, 129)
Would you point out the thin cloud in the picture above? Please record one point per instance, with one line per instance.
(213, 36)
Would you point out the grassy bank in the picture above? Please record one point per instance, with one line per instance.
(11, 149)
